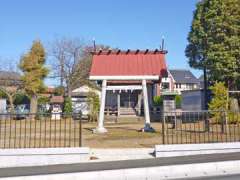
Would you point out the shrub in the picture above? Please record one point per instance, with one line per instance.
(94, 105)
(3, 95)
(43, 100)
(219, 101)
(157, 100)
(67, 108)
(233, 117)
(178, 101)
(21, 98)
(42, 108)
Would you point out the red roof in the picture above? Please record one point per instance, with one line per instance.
(57, 99)
(128, 63)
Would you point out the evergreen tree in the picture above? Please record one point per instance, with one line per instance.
(219, 102)
(94, 105)
(34, 72)
(67, 109)
(214, 40)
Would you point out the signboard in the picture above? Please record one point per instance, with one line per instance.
(169, 105)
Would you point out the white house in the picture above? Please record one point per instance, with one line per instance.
(79, 98)
(179, 80)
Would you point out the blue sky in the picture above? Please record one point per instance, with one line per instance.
(125, 24)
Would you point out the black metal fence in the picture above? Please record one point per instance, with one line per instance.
(182, 127)
(65, 130)
(40, 130)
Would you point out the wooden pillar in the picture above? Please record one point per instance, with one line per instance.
(158, 89)
(100, 128)
(118, 104)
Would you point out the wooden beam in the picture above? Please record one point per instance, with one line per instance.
(129, 87)
(146, 77)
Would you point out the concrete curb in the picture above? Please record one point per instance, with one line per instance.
(115, 154)
(149, 173)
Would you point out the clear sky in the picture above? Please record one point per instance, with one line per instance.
(124, 24)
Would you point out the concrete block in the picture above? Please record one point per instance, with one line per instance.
(194, 149)
(42, 156)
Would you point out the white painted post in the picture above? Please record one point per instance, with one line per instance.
(100, 128)
(147, 127)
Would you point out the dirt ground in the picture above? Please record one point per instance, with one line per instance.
(127, 134)
(122, 135)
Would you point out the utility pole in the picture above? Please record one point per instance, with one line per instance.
(205, 98)
(205, 88)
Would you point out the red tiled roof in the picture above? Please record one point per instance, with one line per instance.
(128, 63)
(57, 99)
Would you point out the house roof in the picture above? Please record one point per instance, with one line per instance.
(183, 76)
(129, 63)
(7, 75)
(57, 99)
(84, 90)
(8, 78)
(201, 78)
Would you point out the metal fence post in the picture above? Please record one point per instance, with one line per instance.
(222, 123)
(226, 121)
(206, 122)
(163, 129)
(80, 140)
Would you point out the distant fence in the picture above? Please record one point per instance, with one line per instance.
(40, 130)
(182, 127)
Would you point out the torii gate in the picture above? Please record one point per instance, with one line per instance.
(127, 66)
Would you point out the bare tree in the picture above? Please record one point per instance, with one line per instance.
(82, 70)
(66, 54)
(10, 85)
(71, 61)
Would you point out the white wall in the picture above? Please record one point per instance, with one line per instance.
(184, 87)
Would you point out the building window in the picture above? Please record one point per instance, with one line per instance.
(190, 86)
(178, 85)
(165, 86)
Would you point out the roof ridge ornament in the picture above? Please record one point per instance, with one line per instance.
(129, 51)
(146, 51)
(155, 51)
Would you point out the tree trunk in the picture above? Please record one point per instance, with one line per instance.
(10, 98)
(33, 106)
(69, 89)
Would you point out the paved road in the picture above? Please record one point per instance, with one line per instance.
(230, 177)
(97, 166)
